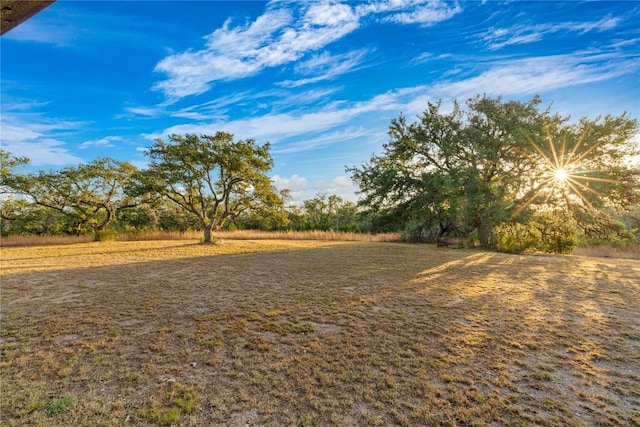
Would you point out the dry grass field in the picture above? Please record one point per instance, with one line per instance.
(315, 333)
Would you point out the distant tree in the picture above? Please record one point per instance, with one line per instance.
(20, 216)
(470, 171)
(87, 197)
(266, 217)
(325, 212)
(214, 178)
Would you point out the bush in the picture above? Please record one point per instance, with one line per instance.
(560, 243)
(105, 235)
(516, 238)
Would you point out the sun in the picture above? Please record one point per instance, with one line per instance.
(561, 175)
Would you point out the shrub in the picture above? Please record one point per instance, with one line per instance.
(516, 238)
(105, 235)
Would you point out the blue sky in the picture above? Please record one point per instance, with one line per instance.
(319, 80)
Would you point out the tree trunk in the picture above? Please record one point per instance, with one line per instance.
(207, 235)
(485, 235)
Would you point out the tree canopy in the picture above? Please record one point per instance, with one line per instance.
(481, 170)
(212, 177)
(83, 198)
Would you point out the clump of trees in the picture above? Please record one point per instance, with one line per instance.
(207, 183)
(73, 200)
(506, 174)
(192, 181)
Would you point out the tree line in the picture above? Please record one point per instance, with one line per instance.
(499, 174)
(192, 182)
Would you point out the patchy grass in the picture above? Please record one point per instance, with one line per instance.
(315, 333)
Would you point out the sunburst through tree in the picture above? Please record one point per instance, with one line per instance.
(504, 165)
(580, 169)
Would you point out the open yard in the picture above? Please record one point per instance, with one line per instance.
(269, 332)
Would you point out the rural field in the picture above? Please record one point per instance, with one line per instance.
(315, 333)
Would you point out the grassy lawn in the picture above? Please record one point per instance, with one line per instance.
(315, 333)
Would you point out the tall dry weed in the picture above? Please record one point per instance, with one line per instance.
(196, 235)
(43, 240)
(632, 252)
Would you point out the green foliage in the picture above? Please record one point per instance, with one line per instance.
(328, 212)
(493, 164)
(212, 178)
(170, 417)
(551, 232)
(85, 198)
(516, 238)
(185, 397)
(105, 235)
(8, 165)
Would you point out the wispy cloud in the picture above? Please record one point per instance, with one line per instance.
(215, 108)
(520, 34)
(340, 136)
(107, 141)
(326, 67)
(303, 130)
(47, 31)
(286, 32)
(427, 14)
(275, 38)
(541, 74)
(25, 132)
(423, 12)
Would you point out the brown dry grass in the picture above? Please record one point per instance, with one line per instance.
(12, 241)
(316, 333)
(632, 252)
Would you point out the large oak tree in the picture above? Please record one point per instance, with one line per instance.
(472, 170)
(212, 177)
(85, 198)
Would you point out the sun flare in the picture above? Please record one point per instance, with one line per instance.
(561, 175)
(564, 178)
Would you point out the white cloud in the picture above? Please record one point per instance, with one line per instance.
(295, 183)
(426, 15)
(539, 74)
(30, 135)
(105, 142)
(311, 129)
(274, 38)
(326, 67)
(44, 151)
(520, 34)
(281, 36)
(302, 189)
